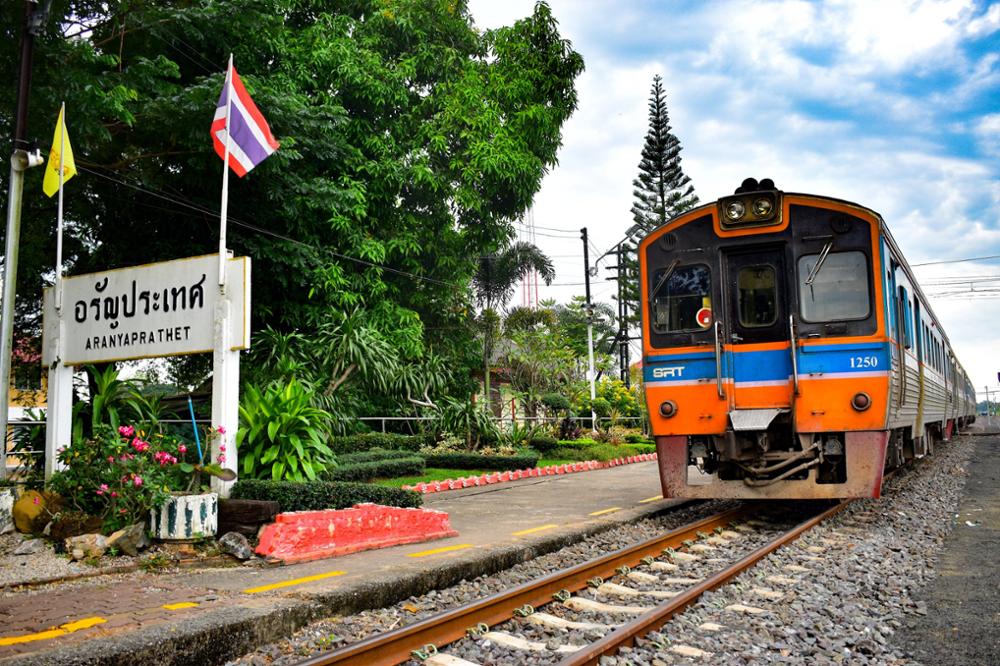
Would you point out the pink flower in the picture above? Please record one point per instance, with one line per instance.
(102, 489)
(222, 448)
(137, 481)
(114, 494)
(126, 431)
(111, 460)
(182, 449)
(221, 430)
(139, 445)
(222, 457)
(36, 500)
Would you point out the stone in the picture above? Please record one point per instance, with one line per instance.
(235, 544)
(68, 524)
(6, 510)
(87, 545)
(130, 540)
(30, 514)
(30, 547)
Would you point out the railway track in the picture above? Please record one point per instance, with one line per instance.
(654, 582)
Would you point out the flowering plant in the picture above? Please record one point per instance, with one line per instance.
(195, 469)
(121, 475)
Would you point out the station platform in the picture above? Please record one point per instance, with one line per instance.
(211, 615)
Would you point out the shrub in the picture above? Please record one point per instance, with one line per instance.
(602, 452)
(372, 455)
(281, 433)
(555, 402)
(543, 443)
(379, 440)
(375, 469)
(318, 495)
(476, 461)
(637, 438)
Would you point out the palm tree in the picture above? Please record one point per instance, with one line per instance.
(494, 283)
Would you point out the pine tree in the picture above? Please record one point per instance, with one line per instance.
(661, 188)
(661, 192)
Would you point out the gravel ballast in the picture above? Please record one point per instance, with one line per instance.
(863, 572)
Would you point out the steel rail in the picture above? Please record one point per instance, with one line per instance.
(625, 635)
(396, 646)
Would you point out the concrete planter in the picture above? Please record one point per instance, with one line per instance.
(186, 518)
(7, 497)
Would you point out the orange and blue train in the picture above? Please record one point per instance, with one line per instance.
(788, 351)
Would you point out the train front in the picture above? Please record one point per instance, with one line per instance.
(765, 359)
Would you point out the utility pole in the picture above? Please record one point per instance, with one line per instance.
(590, 329)
(21, 160)
(623, 355)
(989, 412)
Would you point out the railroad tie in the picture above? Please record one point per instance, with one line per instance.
(795, 568)
(747, 610)
(623, 591)
(583, 604)
(773, 595)
(517, 643)
(681, 581)
(447, 660)
(688, 651)
(782, 580)
(710, 626)
(663, 566)
(554, 622)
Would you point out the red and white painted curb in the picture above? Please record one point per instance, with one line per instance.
(516, 475)
(300, 536)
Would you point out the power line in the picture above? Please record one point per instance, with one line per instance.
(956, 261)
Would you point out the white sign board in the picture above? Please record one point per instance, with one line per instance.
(162, 309)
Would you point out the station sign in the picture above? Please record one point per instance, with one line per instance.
(162, 309)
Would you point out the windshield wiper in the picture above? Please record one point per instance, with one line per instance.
(819, 264)
(666, 274)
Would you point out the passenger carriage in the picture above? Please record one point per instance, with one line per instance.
(788, 350)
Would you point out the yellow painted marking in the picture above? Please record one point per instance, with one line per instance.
(290, 583)
(181, 604)
(534, 529)
(446, 549)
(67, 628)
(604, 511)
(651, 499)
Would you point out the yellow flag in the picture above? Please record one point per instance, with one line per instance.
(61, 138)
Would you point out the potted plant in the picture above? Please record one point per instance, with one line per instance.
(192, 512)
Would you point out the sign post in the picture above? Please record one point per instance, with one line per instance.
(165, 309)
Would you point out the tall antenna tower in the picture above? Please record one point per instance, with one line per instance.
(529, 283)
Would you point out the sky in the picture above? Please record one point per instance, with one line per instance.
(894, 105)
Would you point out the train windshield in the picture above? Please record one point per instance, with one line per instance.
(839, 290)
(678, 298)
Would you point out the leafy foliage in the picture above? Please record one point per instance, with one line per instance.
(355, 444)
(375, 469)
(476, 461)
(281, 434)
(319, 495)
(410, 142)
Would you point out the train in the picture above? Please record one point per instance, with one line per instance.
(788, 350)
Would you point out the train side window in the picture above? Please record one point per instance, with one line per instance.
(758, 296)
(907, 319)
(676, 303)
(839, 290)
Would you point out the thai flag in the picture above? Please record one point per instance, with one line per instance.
(251, 139)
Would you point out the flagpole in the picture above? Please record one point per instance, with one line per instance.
(225, 180)
(59, 221)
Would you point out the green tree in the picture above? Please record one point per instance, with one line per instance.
(494, 282)
(661, 190)
(410, 141)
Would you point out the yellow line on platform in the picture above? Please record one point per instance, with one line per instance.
(180, 604)
(446, 549)
(604, 511)
(67, 628)
(534, 529)
(651, 499)
(290, 583)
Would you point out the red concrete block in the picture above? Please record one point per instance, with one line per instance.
(311, 535)
(504, 477)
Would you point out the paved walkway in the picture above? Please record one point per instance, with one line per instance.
(962, 625)
(209, 616)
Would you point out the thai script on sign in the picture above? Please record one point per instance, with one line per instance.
(110, 307)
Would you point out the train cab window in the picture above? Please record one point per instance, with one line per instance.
(679, 295)
(758, 296)
(839, 289)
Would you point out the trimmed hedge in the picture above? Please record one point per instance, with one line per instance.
(379, 440)
(543, 443)
(376, 469)
(637, 439)
(369, 456)
(476, 461)
(601, 452)
(319, 495)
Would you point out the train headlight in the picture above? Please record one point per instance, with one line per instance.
(762, 207)
(668, 408)
(735, 210)
(861, 401)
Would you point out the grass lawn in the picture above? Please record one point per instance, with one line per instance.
(546, 462)
(431, 474)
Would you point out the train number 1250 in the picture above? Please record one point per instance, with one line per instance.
(864, 361)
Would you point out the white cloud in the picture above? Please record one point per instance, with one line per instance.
(987, 132)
